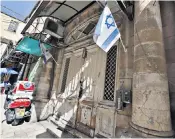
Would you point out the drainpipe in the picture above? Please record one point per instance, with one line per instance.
(22, 76)
(27, 67)
(21, 72)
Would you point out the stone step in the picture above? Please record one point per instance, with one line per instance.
(54, 131)
(61, 126)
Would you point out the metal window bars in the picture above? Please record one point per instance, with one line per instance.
(110, 74)
(13, 26)
(64, 79)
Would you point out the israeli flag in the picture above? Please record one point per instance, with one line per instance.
(44, 52)
(106, 32)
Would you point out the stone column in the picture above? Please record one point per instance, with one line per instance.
(167, 10)
(58, 71)
(151, 105)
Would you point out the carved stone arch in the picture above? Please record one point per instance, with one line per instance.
(77, 32)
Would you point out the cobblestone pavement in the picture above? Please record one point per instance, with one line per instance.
(26, 130)
(32, 129)
(43, 129)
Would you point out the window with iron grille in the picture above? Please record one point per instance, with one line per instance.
(13, 26)
(110, 74)
(66, 67)
(88, 29)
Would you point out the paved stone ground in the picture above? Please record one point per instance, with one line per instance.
(43, 129)
(31, 129)
(26, 130)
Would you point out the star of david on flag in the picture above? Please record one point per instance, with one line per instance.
(44, 52)
(106, 31)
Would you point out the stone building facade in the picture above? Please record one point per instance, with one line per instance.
(82, 91)
(10, 31)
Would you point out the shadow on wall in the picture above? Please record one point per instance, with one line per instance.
(64, 106)
(167, 11)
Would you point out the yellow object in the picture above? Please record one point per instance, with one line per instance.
(20, 112)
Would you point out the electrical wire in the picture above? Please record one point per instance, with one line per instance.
(34, 61)
(6, 21)
(40, 32)
(12, 11)
(19, 15)
(10, 22)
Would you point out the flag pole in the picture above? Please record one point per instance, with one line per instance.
(54, 60)
(125, 50)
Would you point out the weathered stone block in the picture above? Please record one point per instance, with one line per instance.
(127, 111)
(166, 8)
(170, 58)
(126, 82)
(142, 81)
(93, 121)
(167, 19)
(149, 49)
(169, 42)
(147, 35)
(154, 64)
(148, 23)
(171, 82)
(152, 119)
(122, 121)
(144, 98)
(169, 31)
(125, 73)
(171, 70)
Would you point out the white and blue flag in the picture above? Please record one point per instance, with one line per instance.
(44, 52)
(106, 32)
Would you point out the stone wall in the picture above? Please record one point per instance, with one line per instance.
(92, 107)
(89, 13)
(46, 86)
(125, 69)
(167, 9)
(140, 69)
(151, 106)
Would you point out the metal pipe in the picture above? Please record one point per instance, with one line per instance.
(25, 66)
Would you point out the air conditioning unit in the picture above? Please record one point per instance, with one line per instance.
(53, 28)
(128, 8)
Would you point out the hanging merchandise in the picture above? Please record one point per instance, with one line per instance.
(31, 46)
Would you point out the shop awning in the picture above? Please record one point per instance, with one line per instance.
(63, 11)
(30, 46)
